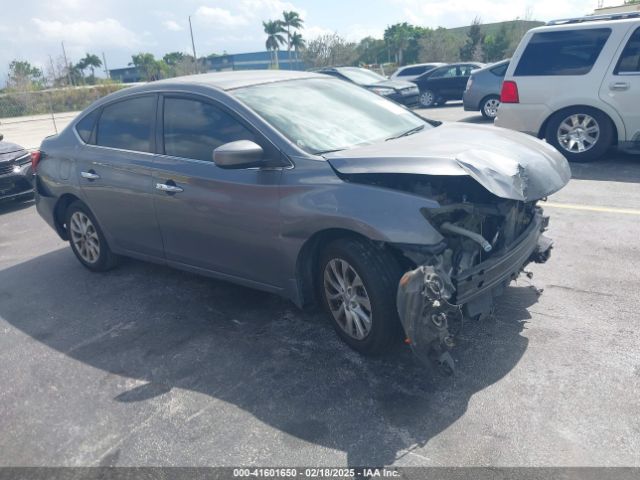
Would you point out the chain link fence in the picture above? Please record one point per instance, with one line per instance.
(26, 117)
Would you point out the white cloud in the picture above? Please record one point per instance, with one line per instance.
(221, 17)
(452, 13)
(172, 25)
(84, 33)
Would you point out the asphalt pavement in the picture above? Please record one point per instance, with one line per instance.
(146, 365)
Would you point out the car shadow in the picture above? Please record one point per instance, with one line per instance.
(616, 166)
(8, 206)
(257, 351)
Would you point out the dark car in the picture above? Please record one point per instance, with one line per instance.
(15, 171)
(399, 91)
(483, 89)
(308, 187)
(445, 83)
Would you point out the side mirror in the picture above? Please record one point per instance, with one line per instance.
(240, 154)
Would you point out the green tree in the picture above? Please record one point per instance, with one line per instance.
(274, 31)
(496, 45)
(440, 45)
(24, 76)
(472, 48)
(291, 20)
(371, 50)
(90, 61)
(404, 39)
(297, 43)
(150, 69)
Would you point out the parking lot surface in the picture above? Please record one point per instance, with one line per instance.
(145, 365)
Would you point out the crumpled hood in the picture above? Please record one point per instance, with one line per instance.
(509, 164)
(9, 151)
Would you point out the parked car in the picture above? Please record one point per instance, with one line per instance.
(405, 93)
(445, 83)
(409, 73)
(15, 171)
(308, 187)
(577, 83)
(483, 89)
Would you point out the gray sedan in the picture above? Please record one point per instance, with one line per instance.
(308, 187)
(483, 89)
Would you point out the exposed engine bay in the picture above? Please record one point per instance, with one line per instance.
(488, 241)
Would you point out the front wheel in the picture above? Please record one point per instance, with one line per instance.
(358, 284)
(427, 98)
(87, 240)
(581, 134)
(489, 107)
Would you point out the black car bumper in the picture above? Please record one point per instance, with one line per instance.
(16, 178)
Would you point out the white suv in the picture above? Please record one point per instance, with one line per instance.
(576, 83)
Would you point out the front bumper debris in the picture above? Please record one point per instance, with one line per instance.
(432, 304)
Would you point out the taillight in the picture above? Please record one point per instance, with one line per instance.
(35, 159)
(509, 92)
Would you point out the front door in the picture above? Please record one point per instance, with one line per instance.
(220, 220)
(621, 86)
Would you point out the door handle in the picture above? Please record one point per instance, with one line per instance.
(169, 188)
(619, 86)
(90, 175)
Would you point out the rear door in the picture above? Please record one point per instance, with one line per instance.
(114, 172)
(222, 220)
(621, 85)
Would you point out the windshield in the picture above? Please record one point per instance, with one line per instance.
(361, 76)
(321, 115)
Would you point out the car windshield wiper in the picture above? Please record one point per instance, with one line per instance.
(322, 152)
(407, 133)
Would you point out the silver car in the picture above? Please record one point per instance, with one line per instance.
(308, 187)
(483, 89)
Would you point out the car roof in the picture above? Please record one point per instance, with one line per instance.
(439, 64)
(239, 79)
(574, 25)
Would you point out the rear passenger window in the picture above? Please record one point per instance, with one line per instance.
(127, 124)
(193, 129)
(85, 126)
(630, 59)
(500, 70)
(563, 52)
(412, 71)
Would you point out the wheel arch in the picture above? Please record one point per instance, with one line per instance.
(309, 255)
(59, 212)
(614, 125)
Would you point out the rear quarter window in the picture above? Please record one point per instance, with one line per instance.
(562, 52)
(85, 126)
(500, 70)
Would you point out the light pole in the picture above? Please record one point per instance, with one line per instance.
(193, 45)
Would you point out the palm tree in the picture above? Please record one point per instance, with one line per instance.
(273, 29)
(291, 20)
(297, 43)
(90, 61)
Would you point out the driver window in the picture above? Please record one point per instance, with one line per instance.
(193, 129)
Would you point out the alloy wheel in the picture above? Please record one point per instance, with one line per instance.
(84, 237)
(347, 298)
(578, 133)
(427, 98)
(490, 107)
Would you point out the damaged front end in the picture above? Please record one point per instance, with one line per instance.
(487, 245)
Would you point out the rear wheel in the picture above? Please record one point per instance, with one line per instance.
(489, 107)
(358, 285)
(581, 134)
(87, 240)
(427, 98)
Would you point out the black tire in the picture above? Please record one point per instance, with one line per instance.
(105, 259)
(380, 274)
(487, 106)
(427, 98)
(599, 146)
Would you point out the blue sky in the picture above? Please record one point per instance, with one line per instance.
(34, 29)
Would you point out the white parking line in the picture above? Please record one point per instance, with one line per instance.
(591, 208)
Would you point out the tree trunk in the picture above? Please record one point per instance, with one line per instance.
(275, 54)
